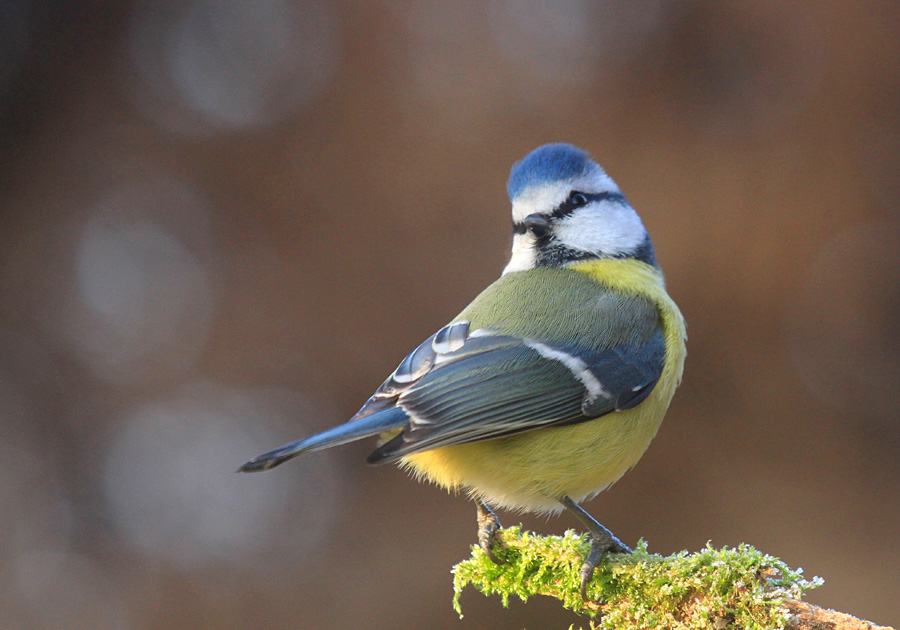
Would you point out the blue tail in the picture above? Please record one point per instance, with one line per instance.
(354, 430)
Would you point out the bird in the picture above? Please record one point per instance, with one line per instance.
(552, 382)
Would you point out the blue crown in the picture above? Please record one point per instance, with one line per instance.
(549, 163)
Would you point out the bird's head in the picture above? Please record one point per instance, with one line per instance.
(565, 208)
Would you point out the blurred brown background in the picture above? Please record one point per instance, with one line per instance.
(224, 222)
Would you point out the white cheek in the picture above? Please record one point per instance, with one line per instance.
(524, 255)
(609, 228)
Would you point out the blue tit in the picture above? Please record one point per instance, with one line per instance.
(551, 384)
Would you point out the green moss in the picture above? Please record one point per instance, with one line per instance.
(713, 588)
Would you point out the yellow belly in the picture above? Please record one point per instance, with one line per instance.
(531, 471)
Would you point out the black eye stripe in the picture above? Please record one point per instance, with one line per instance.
(571, 204)
(574, 201)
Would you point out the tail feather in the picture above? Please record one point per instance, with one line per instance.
(354, 430)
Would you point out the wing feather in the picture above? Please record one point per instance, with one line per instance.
(464, 385)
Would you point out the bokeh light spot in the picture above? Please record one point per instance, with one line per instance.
(171, 489)
(143, 298)
(210, 66)
(565, 43)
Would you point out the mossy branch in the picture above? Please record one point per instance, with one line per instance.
(716, 589)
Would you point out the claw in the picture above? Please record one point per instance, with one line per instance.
(488, 526)
(602, 540)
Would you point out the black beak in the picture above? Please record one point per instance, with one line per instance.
(537, 224)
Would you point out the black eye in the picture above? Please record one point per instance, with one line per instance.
(578, 199)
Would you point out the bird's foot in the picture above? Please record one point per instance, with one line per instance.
(602, 540)
(599, 546)
(488, 526)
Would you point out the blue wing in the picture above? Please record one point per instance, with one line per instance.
(488, 386)
(462, 386)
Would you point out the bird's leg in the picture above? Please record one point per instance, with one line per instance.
(488, 526)
(602, 540)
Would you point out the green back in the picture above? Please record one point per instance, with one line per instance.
(559, 306)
